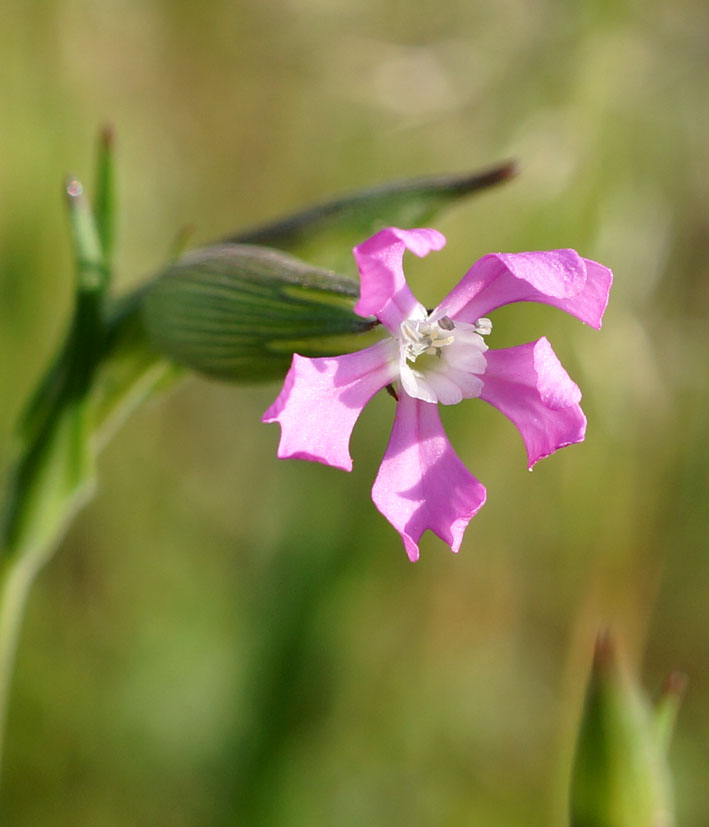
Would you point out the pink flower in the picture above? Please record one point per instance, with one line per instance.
(441, 357)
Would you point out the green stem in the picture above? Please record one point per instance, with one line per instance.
(54, 474)
(16, 577)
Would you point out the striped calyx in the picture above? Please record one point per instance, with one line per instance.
(239, 312)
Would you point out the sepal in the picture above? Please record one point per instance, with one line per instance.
(239, 312)
(620, 776)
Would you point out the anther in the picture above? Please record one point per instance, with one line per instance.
(483, 326)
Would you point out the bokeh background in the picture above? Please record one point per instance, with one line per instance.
(224, 638)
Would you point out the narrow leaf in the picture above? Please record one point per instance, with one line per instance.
(75, 357)
(90, 270)
(51, 481)
(326, 233)
(105, 196)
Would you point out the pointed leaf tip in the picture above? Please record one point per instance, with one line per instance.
(107, 136)
(604, 653)
(104, 201)
(326, 231)
(675, 684)
(497, 174)
(92, 274)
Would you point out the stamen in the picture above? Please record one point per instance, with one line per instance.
(483, 326)
(424, 336)
(441, 360)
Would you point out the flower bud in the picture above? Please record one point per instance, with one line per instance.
(239, 312)
(620, 776)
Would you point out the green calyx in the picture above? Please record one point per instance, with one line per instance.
(621, 776)
(239, 312)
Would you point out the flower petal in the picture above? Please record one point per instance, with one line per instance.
(322, 398)
(528, 385)
(384, 292)
(560, 278)
(422, 484)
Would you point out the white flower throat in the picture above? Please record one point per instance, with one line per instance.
(441, 360)
(419, 337)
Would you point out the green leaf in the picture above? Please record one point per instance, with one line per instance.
(80, 349)
(54, 470)
(91, 272)
(105, 196)
(51, 482)
(326, 233)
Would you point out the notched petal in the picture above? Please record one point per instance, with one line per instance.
(322, 398)
(422, 484)
(560, 278)
(556, 388)
(528, 384)
(384, 292)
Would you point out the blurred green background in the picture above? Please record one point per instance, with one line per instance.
(224, 638)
